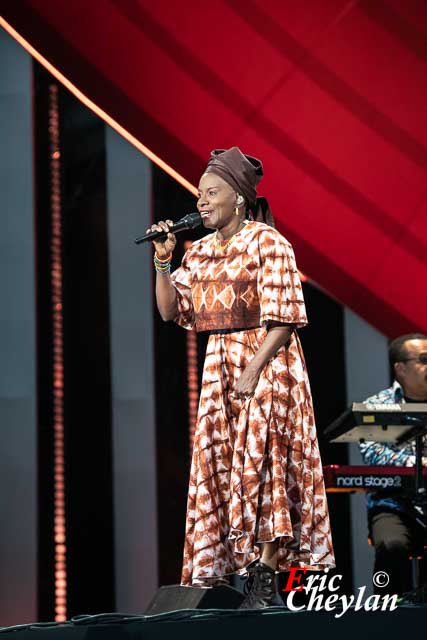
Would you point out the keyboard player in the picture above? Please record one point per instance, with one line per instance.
(393, 529)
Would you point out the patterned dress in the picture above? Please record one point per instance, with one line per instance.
(256, 474)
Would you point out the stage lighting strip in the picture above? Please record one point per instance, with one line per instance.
(58, 360)
(94, 107)
(192, 379)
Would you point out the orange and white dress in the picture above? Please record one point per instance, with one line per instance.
(256, 474)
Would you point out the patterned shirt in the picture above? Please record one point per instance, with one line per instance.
(389, 454)
(248, 282)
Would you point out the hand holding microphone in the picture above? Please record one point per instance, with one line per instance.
(164, 242)
(162, 234)
(190, 221)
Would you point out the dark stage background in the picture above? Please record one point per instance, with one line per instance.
(86, 353)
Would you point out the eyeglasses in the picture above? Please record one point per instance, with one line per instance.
(422, 359)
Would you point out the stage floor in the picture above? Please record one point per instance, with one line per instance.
(211, 624)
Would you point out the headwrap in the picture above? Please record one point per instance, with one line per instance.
(242, 173)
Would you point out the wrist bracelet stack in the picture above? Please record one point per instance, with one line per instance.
(162, 265)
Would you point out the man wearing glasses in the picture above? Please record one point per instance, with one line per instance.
(391, 515)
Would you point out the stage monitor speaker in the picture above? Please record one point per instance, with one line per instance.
(175, 597)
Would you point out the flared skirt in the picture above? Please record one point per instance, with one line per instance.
(256, 473)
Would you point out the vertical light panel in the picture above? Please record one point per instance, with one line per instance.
(193, 385)
(18, 401)
(132, 375)
(192, 379)
(60, 538)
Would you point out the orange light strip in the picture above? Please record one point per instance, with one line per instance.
(193, 385)
(97, 110)
(192, 379)
(59, 525)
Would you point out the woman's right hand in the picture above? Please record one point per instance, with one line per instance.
(163, 246)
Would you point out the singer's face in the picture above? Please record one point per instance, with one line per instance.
(217, 198)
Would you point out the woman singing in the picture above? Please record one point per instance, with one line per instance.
(256, 499)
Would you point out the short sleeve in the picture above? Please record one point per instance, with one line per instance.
(182, 281)
(279, 286)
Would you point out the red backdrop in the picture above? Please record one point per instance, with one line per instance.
(331, 94)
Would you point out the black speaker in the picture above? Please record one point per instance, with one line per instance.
(174, 597)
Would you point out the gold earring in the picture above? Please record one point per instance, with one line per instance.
(236, 211)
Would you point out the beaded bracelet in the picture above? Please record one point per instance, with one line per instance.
(164, 269)
(162, 265)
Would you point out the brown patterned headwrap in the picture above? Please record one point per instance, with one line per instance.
(242, 173)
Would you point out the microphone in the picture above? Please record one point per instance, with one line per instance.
(190, 221)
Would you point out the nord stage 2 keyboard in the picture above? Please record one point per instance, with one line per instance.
(349, 478)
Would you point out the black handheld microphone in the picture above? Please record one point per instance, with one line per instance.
(190, 221)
